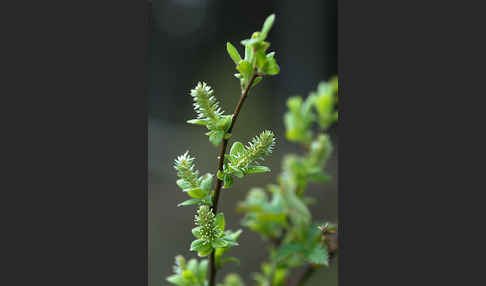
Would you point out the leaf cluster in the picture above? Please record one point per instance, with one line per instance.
(319, 106)
(211, 235)
(256, 59)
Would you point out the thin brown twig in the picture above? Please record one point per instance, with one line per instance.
(244, 94)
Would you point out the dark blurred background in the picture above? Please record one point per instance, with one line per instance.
(188, 44)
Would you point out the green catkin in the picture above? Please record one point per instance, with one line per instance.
(206, 105)
(260, 146)
(206, 220)
(186, 169)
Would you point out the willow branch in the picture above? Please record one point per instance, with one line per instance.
(219, 183)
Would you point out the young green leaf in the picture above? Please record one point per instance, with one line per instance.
(230, 243)
(219, 222)
(198, 121)
(205, 250)
(183, 184)
(216, 137)
(245, 68)
(230, 235)
(236, 171)
(189, 277)
(233, 53)
(236, 148)
(197, 244)
(176, 279)
(219, 243)
(228, 181)
(257, 169)
(196, 193)
(261, 60)
(189, 202)
(267, 25)
(270, 67)
(249, 55)
(197, 232)
(220, 175)
(207, 183)
(225, 122)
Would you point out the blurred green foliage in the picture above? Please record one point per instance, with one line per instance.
(280, 212)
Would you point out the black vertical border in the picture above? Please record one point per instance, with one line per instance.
(76, 181)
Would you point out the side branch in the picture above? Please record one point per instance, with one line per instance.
(244, 94)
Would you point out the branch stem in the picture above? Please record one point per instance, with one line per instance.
(219, 183)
